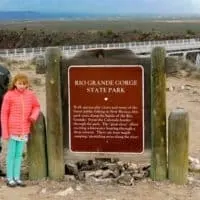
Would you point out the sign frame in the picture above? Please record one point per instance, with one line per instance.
(69, 107)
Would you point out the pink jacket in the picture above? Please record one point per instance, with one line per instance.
(18, 108)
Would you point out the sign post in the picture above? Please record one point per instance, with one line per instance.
(106, 108)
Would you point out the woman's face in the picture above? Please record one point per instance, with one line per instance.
(20, 85)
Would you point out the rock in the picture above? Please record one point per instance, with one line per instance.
(66, 192)
(192, 180)
(78, 188)
(132, 166)
(85, 165)
(106, 171)
(194, 164)
(114, 160)
(193, 160)
(98, 173)
(111, 166)
(182, 87)
(116, 173)
(125, 179)
(139, 176)
(182, 73)
(81, 176)
(194, 167)
(102, 165)
(103, 160)
(101, 180)
(69, 178)
(108, 174)
(145, 167)
(89, 173)
(120, 163)
(170, 88)
(81, 164)
(43, 191)
(71, 169)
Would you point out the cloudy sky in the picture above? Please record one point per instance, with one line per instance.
(104, 6)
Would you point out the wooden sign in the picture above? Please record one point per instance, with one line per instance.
(106, 108)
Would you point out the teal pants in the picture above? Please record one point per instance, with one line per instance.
(14, 159)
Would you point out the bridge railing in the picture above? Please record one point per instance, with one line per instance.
(137, 47)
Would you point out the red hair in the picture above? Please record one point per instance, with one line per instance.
(19, 77)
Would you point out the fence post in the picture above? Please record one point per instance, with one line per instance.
(178, 131)
(158, 87)
(24, 52)
(7, 53)
(40, 65)
(36, 149)
(54, 114)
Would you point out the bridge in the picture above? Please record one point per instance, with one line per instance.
(173, 47)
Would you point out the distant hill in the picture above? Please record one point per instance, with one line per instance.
(18, 15)
(31, 15)
(35, 16)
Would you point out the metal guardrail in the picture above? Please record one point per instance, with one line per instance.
(136, 47)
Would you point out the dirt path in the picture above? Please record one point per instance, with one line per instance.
(147, 190)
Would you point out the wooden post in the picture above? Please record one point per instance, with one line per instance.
(36, 148)
(178, 129)
(40, 65)
(158, 87)
(54, 114)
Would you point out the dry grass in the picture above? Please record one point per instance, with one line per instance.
(27, 66)
(37, 81)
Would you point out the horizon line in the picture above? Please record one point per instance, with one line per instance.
(100, 13)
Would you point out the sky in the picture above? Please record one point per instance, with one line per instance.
(104, 6)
